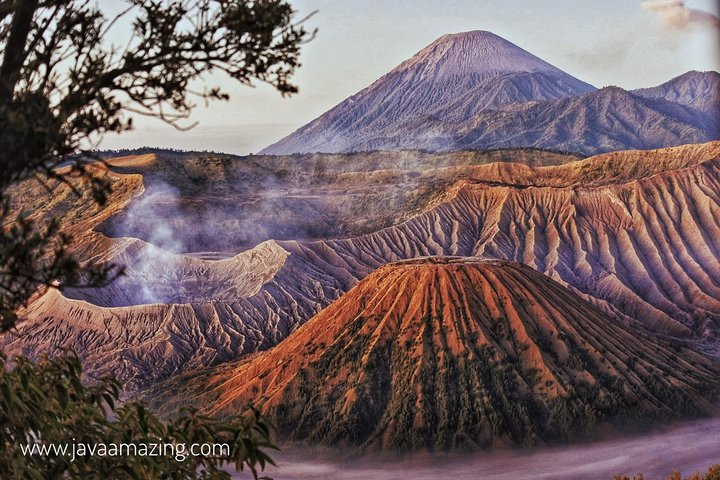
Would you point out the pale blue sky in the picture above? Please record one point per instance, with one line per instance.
(614, 42)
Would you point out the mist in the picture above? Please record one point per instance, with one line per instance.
(686, 447)
(676, 14)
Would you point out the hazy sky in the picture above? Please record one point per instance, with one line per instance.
(615, 42)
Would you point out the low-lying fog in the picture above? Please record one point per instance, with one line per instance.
(687, 447)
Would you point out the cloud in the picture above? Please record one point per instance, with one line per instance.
(675, 14)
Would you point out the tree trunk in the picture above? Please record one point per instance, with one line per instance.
(15, 53)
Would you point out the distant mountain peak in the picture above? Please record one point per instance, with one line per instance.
(474, 52)
(454, 78)
(698, 90)
(696, 75)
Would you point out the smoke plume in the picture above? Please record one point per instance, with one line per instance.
(676, 14)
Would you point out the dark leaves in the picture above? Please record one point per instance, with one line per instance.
(63, 85)
(46, 402)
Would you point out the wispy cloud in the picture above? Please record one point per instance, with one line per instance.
(676, 14)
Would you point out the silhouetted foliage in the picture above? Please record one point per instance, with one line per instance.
(45, 403)
(62, 85)
(713, 473)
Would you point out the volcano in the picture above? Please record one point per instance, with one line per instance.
(477, 91)
(631, 232)
(445, 352)
(451, 79)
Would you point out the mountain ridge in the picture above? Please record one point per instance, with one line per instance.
(609, 119)
(608, 227)
(475, 90)
(459, 68)
(696, 89)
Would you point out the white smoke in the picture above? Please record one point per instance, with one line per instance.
(152, 210)
(676, 14)
(152, 274)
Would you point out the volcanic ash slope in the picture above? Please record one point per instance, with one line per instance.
(634, 233)
(447, 352)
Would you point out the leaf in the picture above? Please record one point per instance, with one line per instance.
(109, 400)
(62, 395)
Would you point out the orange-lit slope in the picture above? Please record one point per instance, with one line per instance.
(445, 353)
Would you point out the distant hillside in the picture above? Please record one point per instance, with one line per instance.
(699, 90)
(610, 119)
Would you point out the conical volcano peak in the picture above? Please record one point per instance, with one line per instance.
(478, 39)
(453, 79)
(448, 352)
(475, 52)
